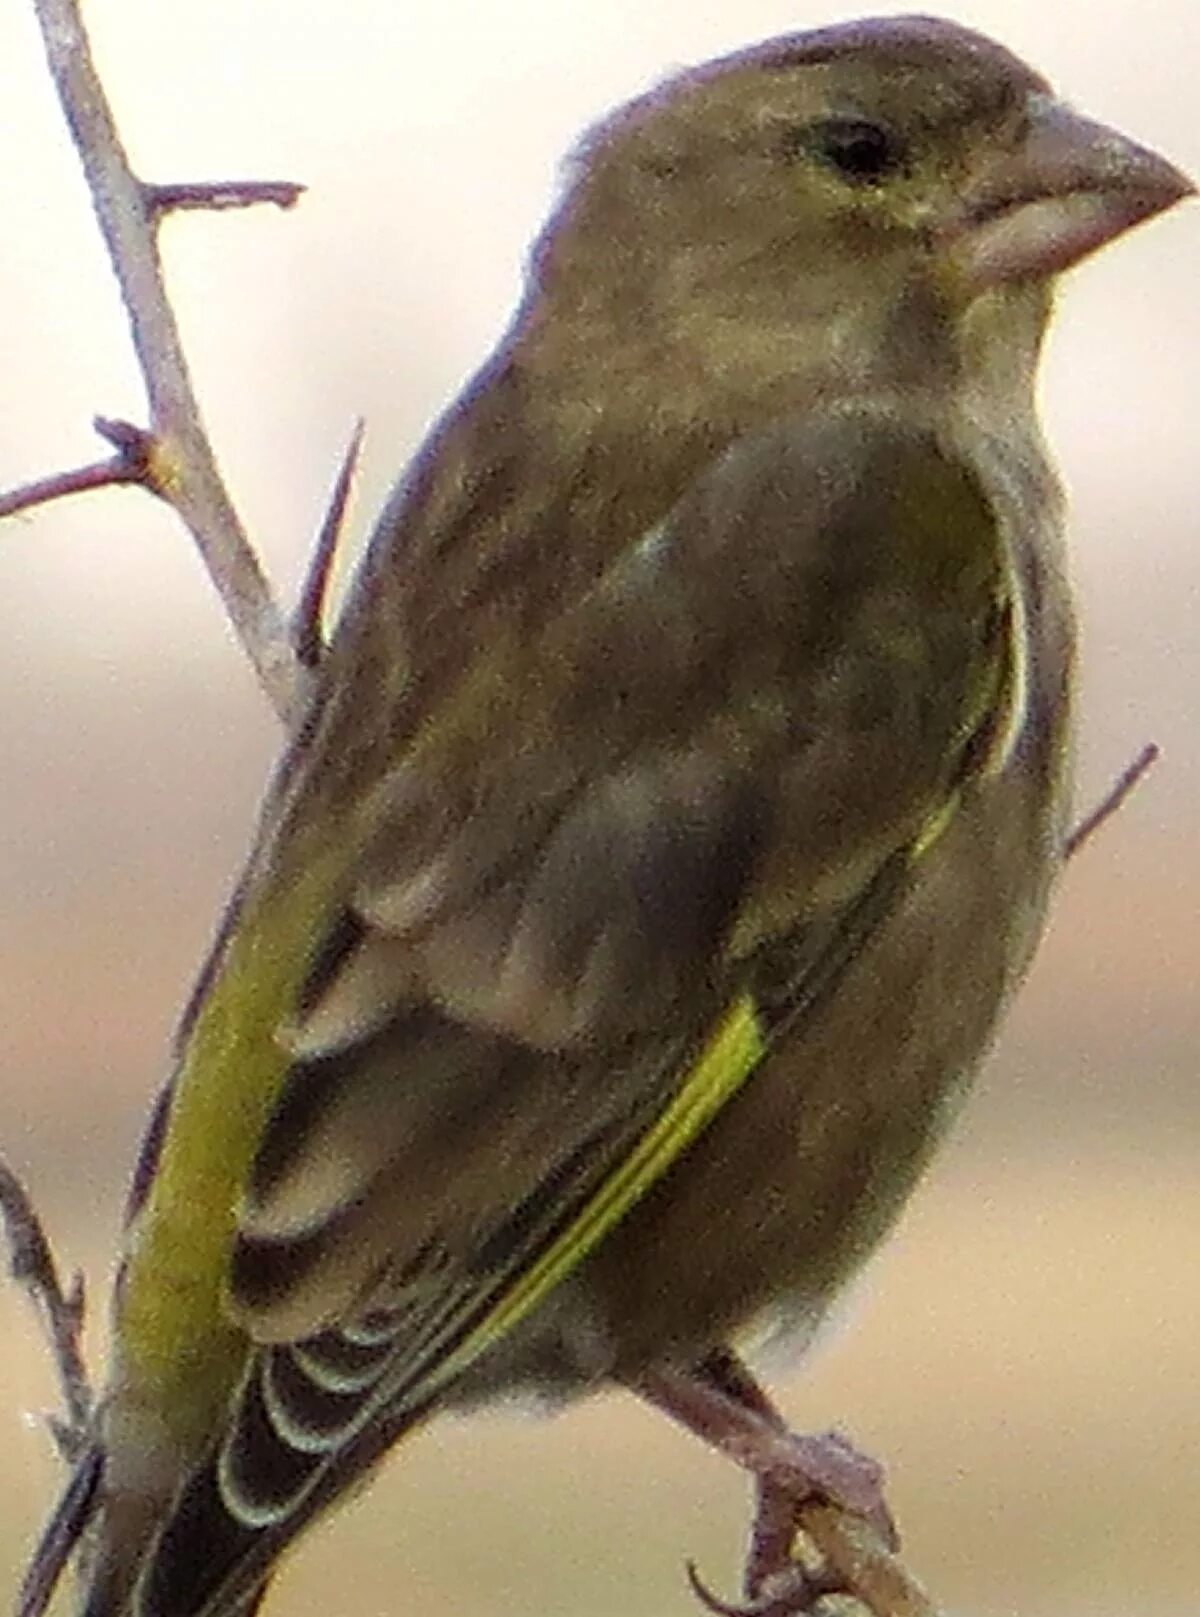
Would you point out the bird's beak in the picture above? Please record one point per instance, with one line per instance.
(1069, 186)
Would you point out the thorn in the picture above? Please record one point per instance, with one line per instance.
(308, 637)
(1130, 777)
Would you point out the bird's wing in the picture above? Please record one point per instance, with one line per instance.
(542, 984)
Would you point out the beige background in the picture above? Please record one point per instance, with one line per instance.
(1024, 1355)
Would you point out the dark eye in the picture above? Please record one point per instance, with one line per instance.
(862, 152)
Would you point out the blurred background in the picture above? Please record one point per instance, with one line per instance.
(1024, 1353)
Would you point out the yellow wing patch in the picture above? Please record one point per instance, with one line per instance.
(175, 1342)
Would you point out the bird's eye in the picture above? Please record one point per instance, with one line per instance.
(861, 152)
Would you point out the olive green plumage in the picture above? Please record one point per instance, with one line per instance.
(678, 807)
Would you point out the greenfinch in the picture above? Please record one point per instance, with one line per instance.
(677, 811)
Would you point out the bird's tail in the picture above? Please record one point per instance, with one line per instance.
(202, 1561)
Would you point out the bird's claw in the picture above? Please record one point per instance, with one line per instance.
(785, 1570)
(786, 1592)
(767, 1604)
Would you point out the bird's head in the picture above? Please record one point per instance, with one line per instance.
(836, 206)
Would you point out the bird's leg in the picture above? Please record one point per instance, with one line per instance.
(719, 1401)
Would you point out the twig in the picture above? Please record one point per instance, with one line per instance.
(60, 1535)
(60, 1311)
(132, 463)
(215, 195)
(1112, 800)
(307, 624)
(859, 1562)
(183, 466)
(111, 473)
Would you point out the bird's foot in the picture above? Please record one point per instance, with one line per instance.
(798, 1465)
(785, 1571)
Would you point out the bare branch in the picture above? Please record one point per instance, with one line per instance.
(111, 473)
(60, 1310)
(184, 467)
(860, 1563)
(1130, 777)
(216, 195)
(132, 464)
(307, 624)
(60, 1536)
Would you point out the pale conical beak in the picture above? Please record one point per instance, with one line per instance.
(1070, 186)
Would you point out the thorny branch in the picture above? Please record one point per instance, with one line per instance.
(60, 1310)
(178, 461)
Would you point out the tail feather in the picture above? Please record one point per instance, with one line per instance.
(207, 1562)
(199, 1554)
(215, 1554)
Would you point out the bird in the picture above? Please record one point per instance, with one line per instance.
(677, 809)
